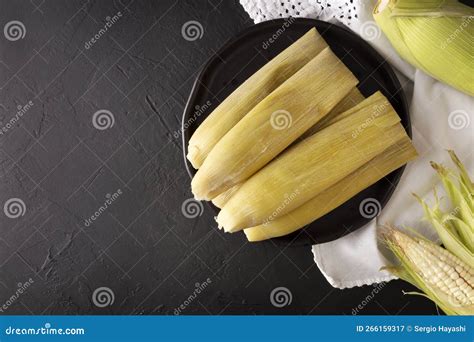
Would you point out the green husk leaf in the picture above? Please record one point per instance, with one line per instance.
(450, 239)
(461, 202)
(433, 8)
(466, 233)
(463, 174)
(467, 194)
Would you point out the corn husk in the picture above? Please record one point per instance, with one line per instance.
(338, 113)
(389, 160)
(250, 93)
(443, 277)
(434, 36)
(314, 165)
(222, 199)
(455, 227)
(434, 8)
(272, 125)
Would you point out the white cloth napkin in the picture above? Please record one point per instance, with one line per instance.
(441, 117)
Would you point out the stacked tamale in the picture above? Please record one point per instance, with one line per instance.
(293, 142)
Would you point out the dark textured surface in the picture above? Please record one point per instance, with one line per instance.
(141, 247)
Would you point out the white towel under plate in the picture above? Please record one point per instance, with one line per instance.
(441, 117)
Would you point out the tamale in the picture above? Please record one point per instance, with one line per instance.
(251, 92)
(389, 160)
(337, 113)
(274, 124)
(314, 164)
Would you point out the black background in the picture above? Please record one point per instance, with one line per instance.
(142, 247)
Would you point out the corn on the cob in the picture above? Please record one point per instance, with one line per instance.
(250, 93)
(337, 113)
(314, 164)
(434, 36)
(444, 278)
(392, 158)
(274, 124)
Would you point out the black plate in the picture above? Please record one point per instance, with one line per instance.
(250, 50)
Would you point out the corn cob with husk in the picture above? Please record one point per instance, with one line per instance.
(273, 124)
(337, 113)
(443, 277)
(314, 165)
(455, 228)
(250, 93)
(434, 8)
(389, 160)
(434, 36)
